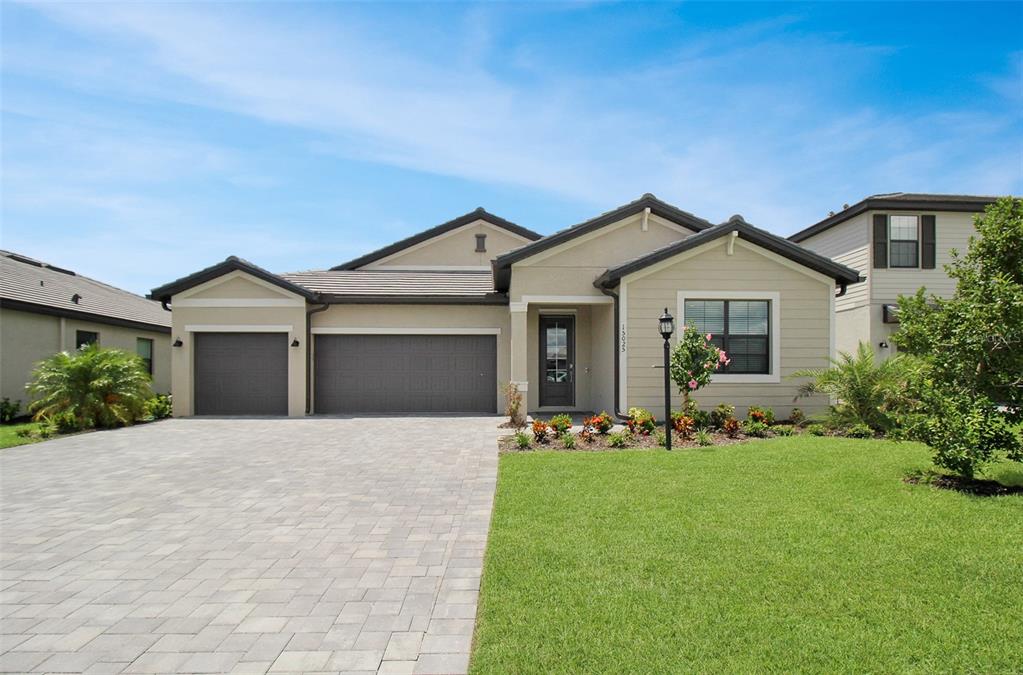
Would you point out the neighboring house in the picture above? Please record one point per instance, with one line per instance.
(439, 321)
(899, 242)
(46, 309)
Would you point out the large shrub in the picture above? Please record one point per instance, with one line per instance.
(973, 391)
(92, 387)
(867, 390)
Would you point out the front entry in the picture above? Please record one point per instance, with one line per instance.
(557, 361)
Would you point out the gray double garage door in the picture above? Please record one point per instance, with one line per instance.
(247, 374)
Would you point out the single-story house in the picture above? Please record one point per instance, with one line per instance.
(440, 321)
(46, 309)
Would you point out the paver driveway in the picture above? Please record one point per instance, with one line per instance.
(307, 545)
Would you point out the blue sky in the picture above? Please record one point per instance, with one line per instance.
(143, 141)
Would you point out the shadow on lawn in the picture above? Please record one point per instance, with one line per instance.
(978, 487)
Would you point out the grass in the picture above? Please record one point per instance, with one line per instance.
(793, 554)
(9, 434)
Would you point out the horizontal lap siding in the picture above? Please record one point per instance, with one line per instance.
(952, 231)
(848, 244)
(805, 339)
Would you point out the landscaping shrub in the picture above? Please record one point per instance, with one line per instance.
(540, 431)
(514, 410)
(9, 410)
(868, 390)
(683, 425)
(797, 416)
(92, 387)
(758, 414)
(754, 428)
(601, 423)
(731, 427)
(859, 431)
(704, 438)
(619, 439)
(693, 360)
(816, 430)
(24, 433)
(701, 418)
(44, 431)
(721, 414)
(660, 438)
(567, 441)
(159, 407)
(641, 421)
(522, 440)
(783, 430)
(560, 424)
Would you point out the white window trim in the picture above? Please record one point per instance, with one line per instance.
(775, 336)
(919, 242)
(349, 330)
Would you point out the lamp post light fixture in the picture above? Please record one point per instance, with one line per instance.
(666, 325)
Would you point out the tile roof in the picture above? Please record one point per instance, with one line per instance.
(394, 283)
(38, 284)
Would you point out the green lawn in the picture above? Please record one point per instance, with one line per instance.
(9, 434)
(793, 554)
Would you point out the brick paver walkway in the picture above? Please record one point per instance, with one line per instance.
(250, 546)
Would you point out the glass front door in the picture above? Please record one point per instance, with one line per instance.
(557, 360)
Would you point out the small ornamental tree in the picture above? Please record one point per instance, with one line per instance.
(693, 361)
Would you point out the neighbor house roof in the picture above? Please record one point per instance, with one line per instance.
(393, 286)
(230, 264)
(479, 214)
(34, 286)
(903, 201)
(502, 264)
(747, 232)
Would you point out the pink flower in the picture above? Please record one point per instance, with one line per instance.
(727, 361)
(693, 385)
(722, 356)
(708, 337)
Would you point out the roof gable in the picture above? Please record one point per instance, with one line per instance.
(502, 264)
(747, 232)
(230, 264)
(436, 231)
(904, 201)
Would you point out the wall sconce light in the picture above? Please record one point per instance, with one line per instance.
(178, 342)
(294, 343)
(882, 344)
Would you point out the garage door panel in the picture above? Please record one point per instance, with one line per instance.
(241, 374)
(405, 373)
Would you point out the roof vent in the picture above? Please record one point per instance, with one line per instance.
(845, 206)
(75, 298)
(481, 243)
(830, 213)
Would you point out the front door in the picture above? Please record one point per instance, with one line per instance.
(557, 360)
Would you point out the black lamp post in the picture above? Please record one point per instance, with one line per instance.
(666, 324)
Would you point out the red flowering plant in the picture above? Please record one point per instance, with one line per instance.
(601, 423)
(683, 425)
(540, 431)
(694, 360)
(641, 421)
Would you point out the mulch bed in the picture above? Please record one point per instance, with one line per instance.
(972, 486)
(600, 443)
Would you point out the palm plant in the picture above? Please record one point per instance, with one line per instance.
(92, 387)
(866, 390)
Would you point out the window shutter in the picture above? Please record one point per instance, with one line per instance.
(880, 240)
(927, 242)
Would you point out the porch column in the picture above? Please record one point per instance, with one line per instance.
(519, 343)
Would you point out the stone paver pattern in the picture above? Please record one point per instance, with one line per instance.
(247, 546)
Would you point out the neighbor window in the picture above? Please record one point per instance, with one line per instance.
(740, 327)
(903, 241)
(85, 337)
(144, 348)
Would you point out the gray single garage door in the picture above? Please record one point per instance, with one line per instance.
(405, 373)
(241, 374)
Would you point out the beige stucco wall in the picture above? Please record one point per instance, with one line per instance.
(804, 325)
(571, 268)
(456, 248)
(436, 317)
(187, 320)
(27, 338)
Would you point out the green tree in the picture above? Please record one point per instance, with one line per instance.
(973, 342)
(92, 387)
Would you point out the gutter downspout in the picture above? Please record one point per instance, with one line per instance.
(309, 355)
(614, 336)
(841, 290)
